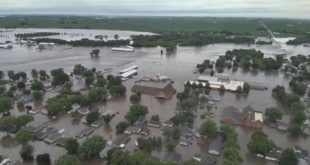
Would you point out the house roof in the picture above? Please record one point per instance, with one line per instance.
(132, 129)
(157, 89)
(233, 114)
(208, 159)
(248, 109)
(173, 157)
(145, 130)
(85, 132)
(140, 121)
(53, 137)
(121, 139)
(216, 145)
(282, 123)
(185, 131)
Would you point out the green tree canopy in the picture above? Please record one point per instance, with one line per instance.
(23, 135)
(273, 114)
(92, 116)
(208, 128)
(288, 157)
(259, 143)
(5, 104)
(68, 160)
(37, 85)
(91, 147)
(135, 111)
(72, 146)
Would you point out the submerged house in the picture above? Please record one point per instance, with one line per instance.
(173, 157)
(247, 117)
(215, 147)
(161, 90)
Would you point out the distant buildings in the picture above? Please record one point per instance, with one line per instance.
(247, 117)
(218, 82)
(161, 90)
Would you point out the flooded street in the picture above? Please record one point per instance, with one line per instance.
(179, 67)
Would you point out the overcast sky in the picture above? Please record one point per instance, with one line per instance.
(259, 8)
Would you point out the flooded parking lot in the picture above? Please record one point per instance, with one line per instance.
(179, 67)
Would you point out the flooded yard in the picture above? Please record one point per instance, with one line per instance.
(179, 67)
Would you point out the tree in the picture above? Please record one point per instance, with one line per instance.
(53, 108)
(288, 157)
(145, 145)
(121, 126)
(299, 117)
(5, 104)
(59, 77)
(155, 118)
(208, 128)
(34, 73)
(2, 74)
(295, 130)
(300, 89)
(246, 88)
(239, 89)
(2, 90)
(23, 136)
(37, 85)
(101, 81)
(135, 112)
(20, 105)
(11, 74)
(273, 114)
(107, 118)
(23, 120)
(92, 116)
(170, 145)
(183, 118)
(95, 52)
(259, 143)
(37, 95)
(79, 69)
(68, 160)
(72, 146)
(26, 152)
(97, 94)
(21, 85)
(20, 76)
(43, 159)
(89, 80)
(118, 90)
(91, 147)
(189, 103)
(135, 98)
(176, 133)
(7, 123)
(43, 75)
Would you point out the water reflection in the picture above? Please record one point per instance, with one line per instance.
(8, 141)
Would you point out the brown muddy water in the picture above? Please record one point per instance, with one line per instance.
(178, 67)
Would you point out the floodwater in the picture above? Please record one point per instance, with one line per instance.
(179, 67)
(71, 34)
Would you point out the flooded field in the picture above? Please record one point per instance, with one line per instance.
(71, 34)
(179, 67)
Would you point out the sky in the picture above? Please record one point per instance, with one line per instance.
(238, 8)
